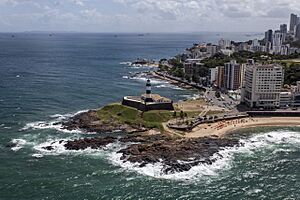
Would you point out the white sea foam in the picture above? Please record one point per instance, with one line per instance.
(174, 87)
(37, 155)
(58, 148)
(53, 124)
(144, 79)
(19, 144)
(224, 158)
(126, 63)
(40, 125)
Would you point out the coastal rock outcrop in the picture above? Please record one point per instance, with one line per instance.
(93, 143)
(176, 155)
(90, 122)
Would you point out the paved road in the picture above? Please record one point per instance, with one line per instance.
(225, 102)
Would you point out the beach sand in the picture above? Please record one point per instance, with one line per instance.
(222, 128)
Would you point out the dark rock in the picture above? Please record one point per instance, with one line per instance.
(176, 155)
(48, 148)
(94, 143)
(90, 122)
(190, 152)
(11, 145)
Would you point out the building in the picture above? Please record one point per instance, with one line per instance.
(193, 69)
(283, 28)
(232, 75)
(220, 78)
(148, 101)
(269, 36)
(293, 23)
(211, 50)
(213, 75)
(297, 32)
(296, 95)
(224, 44)
(263, 85)
(278, 39)
(285, 99)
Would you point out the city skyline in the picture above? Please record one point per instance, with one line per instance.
(144, 15)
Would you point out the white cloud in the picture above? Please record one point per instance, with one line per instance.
(147, 15)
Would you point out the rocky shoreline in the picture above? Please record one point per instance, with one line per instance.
(89, 121)
(175, 154)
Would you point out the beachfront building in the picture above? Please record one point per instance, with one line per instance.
(263, 83)
(232, 75)
(296, 95)
(285, 99)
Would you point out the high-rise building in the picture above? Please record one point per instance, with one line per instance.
(269, 36)
(297, 32)
(263, 84)
(220, 78)
(293, 23)
(213, 75)
(283, 28)
(232, 75)
(224, 44)
(278, 38)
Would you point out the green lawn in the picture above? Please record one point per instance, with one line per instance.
(119, 114)
(124, 114)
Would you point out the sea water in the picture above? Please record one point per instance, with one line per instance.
(45, 79)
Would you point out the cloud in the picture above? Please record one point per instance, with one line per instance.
(177, 9)
(146, 15)
(79, 2)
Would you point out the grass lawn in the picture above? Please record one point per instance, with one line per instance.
(119, 114)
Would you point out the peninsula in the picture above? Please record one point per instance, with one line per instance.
(150, 137)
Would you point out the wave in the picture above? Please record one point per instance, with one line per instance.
(19, 144)
(55, 123)
(138, 66)
(223, 159)
(174, 87)
(126, 63)
(58, 148)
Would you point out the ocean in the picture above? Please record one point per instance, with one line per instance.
(45, 79)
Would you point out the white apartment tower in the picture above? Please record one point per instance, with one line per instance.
(262, 85)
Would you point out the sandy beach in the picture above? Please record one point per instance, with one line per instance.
(225, 127)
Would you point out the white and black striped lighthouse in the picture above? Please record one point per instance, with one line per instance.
(148, 91)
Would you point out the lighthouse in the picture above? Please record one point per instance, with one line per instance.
(148, 92)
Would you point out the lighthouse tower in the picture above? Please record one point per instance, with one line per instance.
(148, 92)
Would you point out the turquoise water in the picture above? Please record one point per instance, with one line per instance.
(45, 79)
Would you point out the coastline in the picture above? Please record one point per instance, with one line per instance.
(224, 128)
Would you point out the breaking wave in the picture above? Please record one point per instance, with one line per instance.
(19, 144)
(224, 158)
(157, 83)
(54, 123)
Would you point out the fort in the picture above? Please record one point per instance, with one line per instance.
(148, 101)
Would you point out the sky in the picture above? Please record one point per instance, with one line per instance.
(145, 15)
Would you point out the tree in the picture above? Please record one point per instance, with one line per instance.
(174, 114)
(181, 115)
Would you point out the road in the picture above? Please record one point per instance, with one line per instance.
(228, 104)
